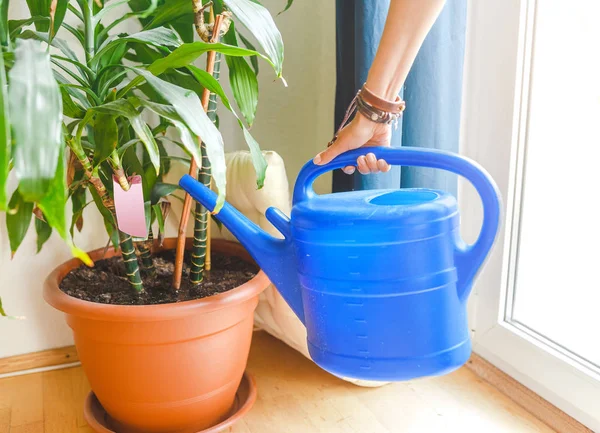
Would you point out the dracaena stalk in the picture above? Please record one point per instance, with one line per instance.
(145, 249)
(132, 267)
(130, 259)
(199, 250)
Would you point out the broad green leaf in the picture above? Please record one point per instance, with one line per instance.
(53, 203)
(188, 106)
(9, 59)
(53, 206)
(87, 71)
(61, 11)
(121, 150)
(160, 37)
(250, 46)
(189, 53)
(258, 159)
(44, 231)
(184, 26)
(89, 115)
(132, 164)
(106, 137)
(85, 89)
(112, 82)
(18, 219)
(190, 143)
(145, 54)
(160, 220)
(164, 158)
(36, 118)
(107, 7)
(78, 202)
(109, 221)
(77, 220)
(209, 82)
(170, 11)
(244, 86)
(181, 159)
(137, 6)
(42, 8)
(140, 9)
(69, 72)
(242, 79)
(162, 190)
(144, 8)
(63, 84)
(70, 108)
(15, 26)
(75, 32)
(5, 140)
(113, 57)
(184, 80)
(58, 43)
(75, 11)
(4, 28)
(122, 107)
(259, 22)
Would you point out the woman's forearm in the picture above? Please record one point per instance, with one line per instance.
(408, 22)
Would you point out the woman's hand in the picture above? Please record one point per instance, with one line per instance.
(401, 40)
(358, 133)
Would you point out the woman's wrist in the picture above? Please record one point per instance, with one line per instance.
(385, 91)
(376, 108)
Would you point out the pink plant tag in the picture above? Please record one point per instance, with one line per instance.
(129, 205)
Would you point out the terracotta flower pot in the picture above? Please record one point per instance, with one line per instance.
(163, 368)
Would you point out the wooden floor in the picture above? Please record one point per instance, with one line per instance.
(294, 396)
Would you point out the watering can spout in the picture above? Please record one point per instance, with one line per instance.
(276, 257)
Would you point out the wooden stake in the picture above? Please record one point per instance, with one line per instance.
(187, 204)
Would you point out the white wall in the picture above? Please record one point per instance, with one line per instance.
(296, 122)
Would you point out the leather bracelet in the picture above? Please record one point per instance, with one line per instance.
(374, 108)
(375, 101)
(374, 114)
(378, 109)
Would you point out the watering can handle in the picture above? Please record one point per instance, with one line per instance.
(468, 258)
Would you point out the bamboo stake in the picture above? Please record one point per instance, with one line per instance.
(187, 204)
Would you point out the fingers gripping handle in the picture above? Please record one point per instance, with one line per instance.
(468, 258)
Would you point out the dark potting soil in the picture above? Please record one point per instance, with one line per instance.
(106, 282)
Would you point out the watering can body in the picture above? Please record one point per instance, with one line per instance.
(380, 278)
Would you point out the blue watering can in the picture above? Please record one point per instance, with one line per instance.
(379, 278)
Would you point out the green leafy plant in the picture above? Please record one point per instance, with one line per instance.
(70, 124)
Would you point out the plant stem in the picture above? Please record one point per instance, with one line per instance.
(187, 204)
(127, 248)
(146, 254)
(132, 266)
(87, 10)
(200, 257)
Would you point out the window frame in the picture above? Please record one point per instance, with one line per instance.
(500, 46)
